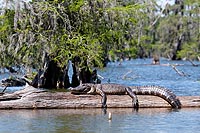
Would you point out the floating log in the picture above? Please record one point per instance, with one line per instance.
(33, 98)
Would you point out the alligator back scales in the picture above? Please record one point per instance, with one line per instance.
(159, 91)
(117, 89)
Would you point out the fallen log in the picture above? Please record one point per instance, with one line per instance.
(33, 98)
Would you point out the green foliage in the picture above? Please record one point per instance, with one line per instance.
(94, 30)
(189, 51)
(6, 29)
(180, 28)
(76, 5)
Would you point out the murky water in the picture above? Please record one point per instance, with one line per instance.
(94, 120)
(123, 120)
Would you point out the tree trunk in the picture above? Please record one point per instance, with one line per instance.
(54, 76)
(178, 43)
(51, 75)
(82, 75)
(75, 76)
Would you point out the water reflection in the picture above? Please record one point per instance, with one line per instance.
(94, 120)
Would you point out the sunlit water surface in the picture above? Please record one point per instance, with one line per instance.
(134, 72)
(94, 120)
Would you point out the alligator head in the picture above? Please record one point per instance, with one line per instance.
(82, 89)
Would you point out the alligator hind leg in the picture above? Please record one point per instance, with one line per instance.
(134, 98)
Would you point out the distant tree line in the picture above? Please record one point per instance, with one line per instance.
(89, 33)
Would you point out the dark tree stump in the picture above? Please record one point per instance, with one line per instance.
(53, 76)
(156, 60)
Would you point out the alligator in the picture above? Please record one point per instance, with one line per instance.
(105, 89)
(132, 91)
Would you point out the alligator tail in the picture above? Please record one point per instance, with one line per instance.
(161, 92)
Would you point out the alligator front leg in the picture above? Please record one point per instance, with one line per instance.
(103, 95)
(134, 98)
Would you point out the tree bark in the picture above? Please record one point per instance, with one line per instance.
(53, 76)
(179, 38)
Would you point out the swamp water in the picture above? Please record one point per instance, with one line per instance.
(94, 120)
(134, 72)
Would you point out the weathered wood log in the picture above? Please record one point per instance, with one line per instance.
(33, 98)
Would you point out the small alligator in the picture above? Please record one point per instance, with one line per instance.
(116, 89)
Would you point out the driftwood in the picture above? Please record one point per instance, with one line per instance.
(193, 64)
(177, 71)
(33, 98)
(1, 93)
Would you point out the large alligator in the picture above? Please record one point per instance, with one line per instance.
(116, 89)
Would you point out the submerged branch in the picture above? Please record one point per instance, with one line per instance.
(193, 64)
(177, 71)
(1, 93)
(125, 75)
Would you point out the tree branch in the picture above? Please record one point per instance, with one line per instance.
(177, 71)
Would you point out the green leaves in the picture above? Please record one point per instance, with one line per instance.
(178, 31)
(189, 51)
(76, 5)
(94, 30)
(65, 30)
(87, 49)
